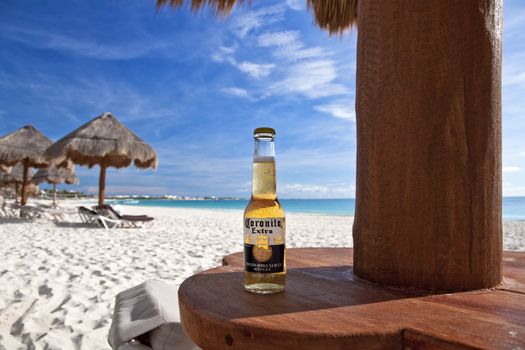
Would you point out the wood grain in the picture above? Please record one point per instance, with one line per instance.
(428, 103)
(325, 306)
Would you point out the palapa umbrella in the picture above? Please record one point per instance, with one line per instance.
(55, 176)
(13, 176)
(25, 146)
(336, 16)
(106, 142)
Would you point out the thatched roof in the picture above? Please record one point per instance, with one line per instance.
(15, 175)
(335, 16)
(5, 168)
(102, 140)
(26, 143)
(54, 175)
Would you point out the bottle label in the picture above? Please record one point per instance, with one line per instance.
(264, 244)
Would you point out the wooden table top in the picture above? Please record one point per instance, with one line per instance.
(325, 306)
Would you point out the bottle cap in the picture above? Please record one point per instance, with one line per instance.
(264, 130)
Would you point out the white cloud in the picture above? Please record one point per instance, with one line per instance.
(510, 189)
(289, 46)
(234, 91)
(223, 54)
(83, 47)
(255, 70)
(522, 153)
(251, 20)
(342, 110)
(313, 79)
(132, 190)
(511, 169)
(278, 38)
(306, 70)
(297, 53)
(304, 188)
(296, 4)
(298, 190)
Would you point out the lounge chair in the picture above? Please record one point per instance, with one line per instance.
(31, 213)
(89, 216)
(7, 210)
(58, 214)
(127, 220)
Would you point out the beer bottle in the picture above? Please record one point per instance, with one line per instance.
(264, 222)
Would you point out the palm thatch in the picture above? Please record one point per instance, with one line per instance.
(106, 142)
(335, 16)
(221, 7)
(14, 176)
(103, 140)
(26, 145)
(55, 176)
(5, 168)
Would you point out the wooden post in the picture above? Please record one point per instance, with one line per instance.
(24, 182)
(16, 192)
(102, 184)
(428, 210)
(54, 194)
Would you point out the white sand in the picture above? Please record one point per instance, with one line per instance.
(58, 283)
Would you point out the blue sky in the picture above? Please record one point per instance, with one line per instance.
(195, 87)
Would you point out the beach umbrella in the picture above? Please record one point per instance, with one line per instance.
(55, 176)
(25, 146)
(103, 141)
(335, 16)
(13, 176)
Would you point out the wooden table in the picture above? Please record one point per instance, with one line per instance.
(326, 307)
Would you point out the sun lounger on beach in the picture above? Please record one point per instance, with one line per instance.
(128, 220)
(147, 317)
(31, 213)
(10, 210)
(57, 214)
(89, 216)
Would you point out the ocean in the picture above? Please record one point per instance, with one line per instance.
(513, 207)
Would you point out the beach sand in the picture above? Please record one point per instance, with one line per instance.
(58, 282)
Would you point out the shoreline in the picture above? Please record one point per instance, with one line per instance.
(504, 218)
(508, 218)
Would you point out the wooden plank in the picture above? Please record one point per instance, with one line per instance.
(417, 341)
(326, 306)
(300, 257)
(513, 272)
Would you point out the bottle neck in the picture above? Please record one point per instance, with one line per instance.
(264, 180)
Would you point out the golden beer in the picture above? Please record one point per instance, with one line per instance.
(264, 223)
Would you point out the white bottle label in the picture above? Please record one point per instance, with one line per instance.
(264, 244)
(264, 231)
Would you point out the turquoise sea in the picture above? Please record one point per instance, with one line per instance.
(513, 207)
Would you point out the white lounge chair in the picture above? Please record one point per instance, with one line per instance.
(91, 217)
(126, 220)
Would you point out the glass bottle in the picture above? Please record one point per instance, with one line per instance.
(264, 222)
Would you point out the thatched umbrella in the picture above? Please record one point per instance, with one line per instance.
(13, 176)
(55, 176)
(336, 16)
(25, 146)
(103, 141)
